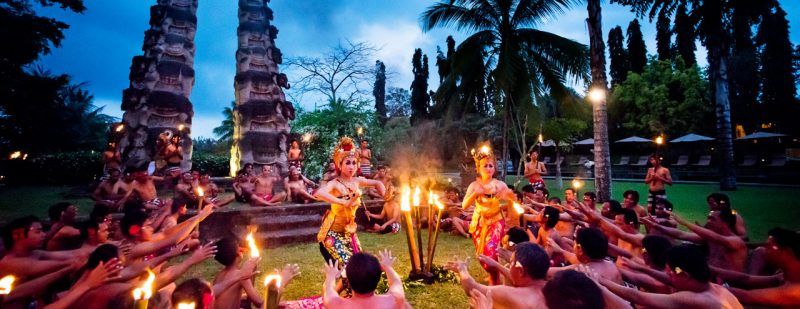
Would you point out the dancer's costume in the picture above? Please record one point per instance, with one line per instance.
(337, 235)
(488, 225)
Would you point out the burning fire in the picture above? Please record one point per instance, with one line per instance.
(15, 155)
(146, 290)
(251, 244)
(6, 284)
(416, 196)
(273, 277)
(405, 197)
(437, 202)
(577, 184)
(659, 140)
(186, 306)
(120, 127)
(518, 208)
(200, 192)
(485, 149)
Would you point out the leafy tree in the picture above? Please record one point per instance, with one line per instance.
(796, 64)
(521, 61)
(663, 36)
(379, 91)
(619, 56)
(224, 132)
(778, 83)
(637, 51)
(419, 87)
(666, 98)
(398, 102)
(684, 36)
(443, 61)
(743, 73)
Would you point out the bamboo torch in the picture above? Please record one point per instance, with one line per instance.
(141, 295)
(416, 201)
(405, 207)
(432, 249)
(271, 296)
(521, 212)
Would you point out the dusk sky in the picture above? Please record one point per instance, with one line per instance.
(101, 42)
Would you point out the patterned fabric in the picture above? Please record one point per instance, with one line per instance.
(341, 246)
(652, 196)
(487, 237)
(538, 183)
(313, 302)
(366, 170)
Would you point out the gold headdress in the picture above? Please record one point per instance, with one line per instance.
(484, 152)
(344, 149)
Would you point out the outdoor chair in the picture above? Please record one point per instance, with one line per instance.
(778, 160)
(581, 161)
(624, 160)
(642, 161)
(683, 160)
(703, 161)
(749, 160)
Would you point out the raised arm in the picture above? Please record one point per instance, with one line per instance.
(146, 248)
(90, 280)
(786, 295)
(747, 280)
(392, 278)
(467, 282)
(330, 297)
(324, 194)
(364, 182)
(709, 235)
(170, 274)
(673, 232)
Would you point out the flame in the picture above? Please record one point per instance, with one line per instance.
(273, 277)
(518, 208)
(146, 290)
(251, 243)
(416, 196)
(15, 155)
(120, 127)
(437, 202)
(360, 130)
(180, 127)
(597, 95)
(541, 138)
(577, 184)
(431, 197)
(200, 192)
(485, 149)
(405, 197)
(659, 140)
(306, 137)
(186, 305)
(6, 284)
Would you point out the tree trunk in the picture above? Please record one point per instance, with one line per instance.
(506, 120)
(559, 180)
(602, 156)
(719, 75)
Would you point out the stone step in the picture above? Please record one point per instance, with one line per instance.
(274, 239)
(276, 223)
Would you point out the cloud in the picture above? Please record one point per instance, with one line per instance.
(397, 41)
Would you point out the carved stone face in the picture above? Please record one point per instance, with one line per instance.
(252, 14)
(254, 59)
(179, 27)
(174, 77)
(143, 73)
(263, 148)
(175, 48)
(248, 39)
(187, 5)
(167, 110)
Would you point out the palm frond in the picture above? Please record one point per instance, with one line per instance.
(463, 18)
(532, 12)
(564, 54)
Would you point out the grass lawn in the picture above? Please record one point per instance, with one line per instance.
(762, 208)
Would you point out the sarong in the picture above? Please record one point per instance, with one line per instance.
(537, 183)
(487, 237)
(366, 170)
(652, 196)
(341, 246)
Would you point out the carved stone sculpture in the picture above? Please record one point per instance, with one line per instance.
(261, 114)
(161, 80)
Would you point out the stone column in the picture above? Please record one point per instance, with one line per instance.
(261, 114)
(156, 104)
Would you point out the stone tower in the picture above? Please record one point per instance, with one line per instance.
(156, 104)
(262, 114)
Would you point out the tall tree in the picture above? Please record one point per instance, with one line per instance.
(618, 55)
(443, 60)
(712, 18)
(519, 60)
(778, 83)
(597, 50)
(224, 132)
(685, 35)
(419, 87)
(796, 66)
(744, 75)
(379, 92)
(637, 51)
(664, 36)
(398, 102)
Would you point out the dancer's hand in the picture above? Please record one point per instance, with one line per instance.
(331, 270)
(288, 273)
(386, 259)
(478, 300)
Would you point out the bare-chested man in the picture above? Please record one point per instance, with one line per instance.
(363, 272)
(725, 249)
(112, 158)
(782, 252)
(295, 155)
(23, 239)
(297, 187)
(366, 158)
(330, 174)
(590, 250)
(527, 272)
(688, 274)
(145, 188)
(658, 177)
(264, 192)
(630, 200)
(388, 221)
(173, 155)
(63, 234)
(534, 170)
(184, 190)
(104, 194)
(242, 187)
(212, 191)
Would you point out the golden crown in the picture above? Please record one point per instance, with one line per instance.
(483, 152)
(344, 149)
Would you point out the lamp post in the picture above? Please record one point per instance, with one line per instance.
(602, 157)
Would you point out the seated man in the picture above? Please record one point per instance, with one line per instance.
(383, 175)
(144, 188)
(94, 234)
(297, 187)
(526, 273)
(690, 276)
(388, 221)
(105, 194)
(572, 289)
(23, 239)
(782, 251)
(184, 189)
(265, 193)
(363, 273)
(630, 200)
(720, 201)
(242, 187)
(63, 234)
(590, 250)
(211, 191)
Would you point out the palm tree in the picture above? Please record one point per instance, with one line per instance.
(711, 17)
(602, 155)
(224, 132)
(520, 60)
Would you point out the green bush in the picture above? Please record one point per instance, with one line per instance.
(57, 168)
(215, 165)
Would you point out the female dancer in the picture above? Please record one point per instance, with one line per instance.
(488, 225)
(337, 235)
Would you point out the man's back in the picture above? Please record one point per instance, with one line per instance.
(529, 297)
(372, 301)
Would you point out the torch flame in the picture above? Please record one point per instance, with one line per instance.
(416, 196)
(186, 306)
(120, 127)
(541, 138)
(273, 277)
(6, 284)
(437, 202)
(360, 130)
(485, 149)
(180, 127)
(577, 184)
(306, 137)
(15, 155)
(660, 140)
(405, 197)
(146, 290)
(251, 243)
(200, 192)
(518, 208)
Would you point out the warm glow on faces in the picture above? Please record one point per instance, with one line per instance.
(349, 167)
(486, 167)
